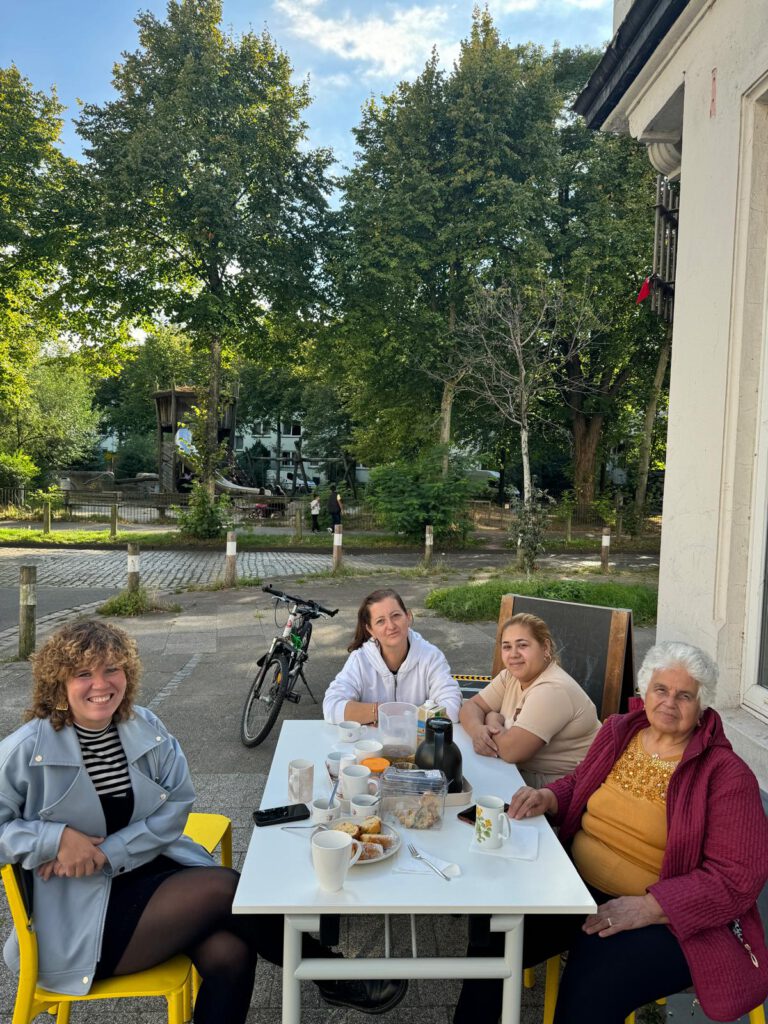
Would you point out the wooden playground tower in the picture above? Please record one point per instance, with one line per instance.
(175, 408)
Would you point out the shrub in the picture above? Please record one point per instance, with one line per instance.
(16, 470)
(529, 526)
(205, 518)
(408, 496)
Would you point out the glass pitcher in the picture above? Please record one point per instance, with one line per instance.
(397, 730)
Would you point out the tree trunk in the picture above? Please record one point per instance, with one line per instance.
(524, 452)
(587, 431)
(446, 407)
(212, 419)
(650, 419)
(279, 451)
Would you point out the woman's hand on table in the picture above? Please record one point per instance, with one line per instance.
(527, 802)
(623, 914)
(483, 735)
(79, 855)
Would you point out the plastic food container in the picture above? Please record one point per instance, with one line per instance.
(414, 798)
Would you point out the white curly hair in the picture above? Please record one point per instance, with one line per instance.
(699, 666)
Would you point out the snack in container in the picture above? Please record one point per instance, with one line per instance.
(414, 798)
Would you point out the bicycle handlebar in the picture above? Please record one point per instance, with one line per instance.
(311, 605)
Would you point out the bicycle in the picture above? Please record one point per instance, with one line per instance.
(280, 668)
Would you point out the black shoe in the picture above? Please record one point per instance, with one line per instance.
(364, 996)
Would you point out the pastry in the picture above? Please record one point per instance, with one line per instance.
(372, 825)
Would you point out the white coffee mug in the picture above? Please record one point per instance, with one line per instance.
(323, 811)
(367, 748)
(491, 823)
(337, 760)
(333, 854)
(356, 779)
(363, 805)
(348, 732)
(301, 781)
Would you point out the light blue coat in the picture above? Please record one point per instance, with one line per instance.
(44, 786)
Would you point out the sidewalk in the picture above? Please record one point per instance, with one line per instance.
(198, 664)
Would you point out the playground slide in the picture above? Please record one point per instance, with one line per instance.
(232, 488)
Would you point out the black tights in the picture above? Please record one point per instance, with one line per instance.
(604, 979)
(191, 912)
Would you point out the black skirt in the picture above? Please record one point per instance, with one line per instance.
(129, 896)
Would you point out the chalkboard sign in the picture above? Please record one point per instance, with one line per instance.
(595, 646)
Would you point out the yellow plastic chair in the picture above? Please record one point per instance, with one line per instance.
(551, 985)
(169, 980)
(212, 830)
(756, 1016)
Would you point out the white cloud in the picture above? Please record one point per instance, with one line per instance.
(393, 46)
(516, 6)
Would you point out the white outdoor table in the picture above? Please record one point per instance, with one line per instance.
(277, 878)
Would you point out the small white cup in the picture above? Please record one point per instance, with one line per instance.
(301, 781)
(356, 780)
(338, 759)
(348, 732)
(491, 824)
(333, 854)
(367, 748)
(364, 805)
(323, 812)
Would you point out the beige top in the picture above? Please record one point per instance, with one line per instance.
(553, 707)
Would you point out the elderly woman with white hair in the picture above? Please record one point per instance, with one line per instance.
(665, 825)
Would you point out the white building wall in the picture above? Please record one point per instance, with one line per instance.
(715, 498)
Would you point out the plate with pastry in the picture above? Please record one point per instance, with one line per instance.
(379, 841)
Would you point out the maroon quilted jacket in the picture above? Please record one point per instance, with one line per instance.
(715, 862)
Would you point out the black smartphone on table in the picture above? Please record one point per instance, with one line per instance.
(470, 813)
(280, 815)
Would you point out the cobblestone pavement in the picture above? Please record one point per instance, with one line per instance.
(161, 569)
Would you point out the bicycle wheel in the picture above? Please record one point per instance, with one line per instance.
(264, 700)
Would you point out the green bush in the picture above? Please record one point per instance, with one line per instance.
(16, 470)
(137, 454)
(408, 496)
(529, 526)
(205, 517)
(470, 603)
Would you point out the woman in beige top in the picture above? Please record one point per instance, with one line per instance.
(533, 714)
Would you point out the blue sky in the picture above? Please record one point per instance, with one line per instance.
(349, 49)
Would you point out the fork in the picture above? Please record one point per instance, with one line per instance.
(420, 856)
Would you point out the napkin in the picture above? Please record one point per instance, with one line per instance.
(523, 844)
(408, 865)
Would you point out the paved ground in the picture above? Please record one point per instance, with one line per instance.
(198, 664)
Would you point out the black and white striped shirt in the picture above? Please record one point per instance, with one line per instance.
(104, 759)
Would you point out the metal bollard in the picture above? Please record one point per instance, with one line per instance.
(133, 568)
(27, 609)
(337, 546)
(429, 542)
(605, 550)
(230, 571)
(113, 521)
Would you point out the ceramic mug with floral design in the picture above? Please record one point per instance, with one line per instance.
(491, 823)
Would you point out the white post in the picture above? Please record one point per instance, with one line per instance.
(606, 548)
(337, 547)
(428, 545)
(230, 571)
(133, 567)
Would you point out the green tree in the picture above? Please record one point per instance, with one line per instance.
(204, 204)
(449, 189)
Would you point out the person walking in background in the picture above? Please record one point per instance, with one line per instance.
(314, 511)
(335, 508)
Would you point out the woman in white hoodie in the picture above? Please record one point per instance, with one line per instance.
(389, 661)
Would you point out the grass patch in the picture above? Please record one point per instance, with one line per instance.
(480, 602)
(172, 539)
(136, 602)
(649, 545)
(244, 582)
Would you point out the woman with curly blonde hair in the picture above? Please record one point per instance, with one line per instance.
(94, 797)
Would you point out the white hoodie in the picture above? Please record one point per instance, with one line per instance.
(425, 674)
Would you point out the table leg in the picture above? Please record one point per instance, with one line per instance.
(291, 960)
(513, 957)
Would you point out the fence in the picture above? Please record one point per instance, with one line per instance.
(96, 506)
(581, 519)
